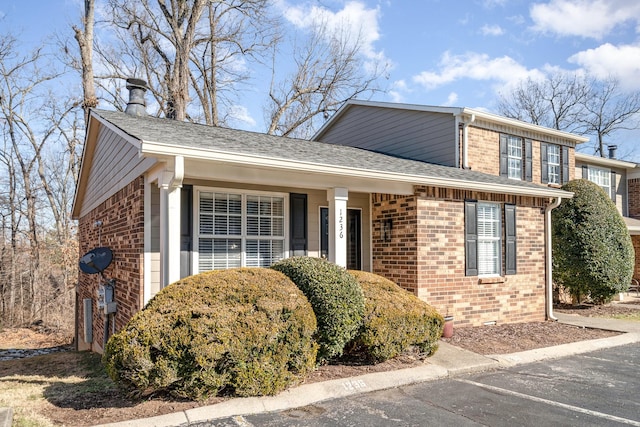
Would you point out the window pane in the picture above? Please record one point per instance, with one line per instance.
(489, 238)
(514, 153)
(601, 177)
(263, 253)
(216, 254)
(553, 163)
(224, 216)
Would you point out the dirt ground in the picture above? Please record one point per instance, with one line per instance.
(76, 392)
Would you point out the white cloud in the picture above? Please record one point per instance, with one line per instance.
(354, 17)
(397, 89)
(451, 99)
(584, 18)
(241, 113)
(491, 30)
(475, 66)
(621, 62)
(490, 4)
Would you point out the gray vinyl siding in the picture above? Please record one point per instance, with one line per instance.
(621, 185)
(417, 135)
(115, 164)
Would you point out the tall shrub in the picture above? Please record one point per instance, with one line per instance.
(592, 251)
(243, 332)
(394, 320)
(336, 298)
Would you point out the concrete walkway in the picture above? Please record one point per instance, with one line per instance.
(447, 362)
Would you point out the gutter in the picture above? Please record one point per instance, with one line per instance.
(465, 141)
(548, 258)
(160, 150)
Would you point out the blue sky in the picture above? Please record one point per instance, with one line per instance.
(461, 53)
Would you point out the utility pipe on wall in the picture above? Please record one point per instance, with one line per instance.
(465, 142)
(548, 257)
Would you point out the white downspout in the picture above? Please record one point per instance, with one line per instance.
(548, 258)
(465, 142)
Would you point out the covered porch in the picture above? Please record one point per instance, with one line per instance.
(205, 214)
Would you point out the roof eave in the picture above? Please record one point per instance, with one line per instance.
(449, 110)
(605, 161)
(165, 150)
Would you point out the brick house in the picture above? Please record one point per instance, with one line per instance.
(621, 180)
(452, 204)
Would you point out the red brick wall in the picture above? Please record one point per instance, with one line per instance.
(397, 259)
(636, 247)
(426, 255)
(122, 231)
(633, 190)
(484, 154)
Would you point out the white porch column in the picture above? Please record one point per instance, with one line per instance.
(337, 198)
(170, 184)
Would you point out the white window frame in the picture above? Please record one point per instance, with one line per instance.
(514, 157)
(553, 164)
(243, 237)
(486, 240)
(601, 177)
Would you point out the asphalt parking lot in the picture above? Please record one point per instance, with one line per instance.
(600, 388)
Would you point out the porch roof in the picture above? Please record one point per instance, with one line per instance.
(164, 138)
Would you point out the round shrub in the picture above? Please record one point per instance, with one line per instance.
(592, 251)
(243, 332)
(394, 320)
(336, 299)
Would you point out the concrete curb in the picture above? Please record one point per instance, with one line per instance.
(6, 417)
(564, 350)
(448, 361)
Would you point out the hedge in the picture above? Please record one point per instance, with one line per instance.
(242, 332)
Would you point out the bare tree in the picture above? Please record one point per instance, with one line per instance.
(572, 103)
(170, 29)
(31, 116)
(329, 70)
(556, 102)
(238, 30)
(607, 110)
(192, 53)
(84, 37)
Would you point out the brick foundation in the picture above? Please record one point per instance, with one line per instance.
(122, 230)
(426, 255)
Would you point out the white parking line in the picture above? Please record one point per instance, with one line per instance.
(551, 402)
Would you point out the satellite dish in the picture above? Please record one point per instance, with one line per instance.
(96, 260)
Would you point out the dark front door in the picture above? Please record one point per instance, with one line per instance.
(354, 237)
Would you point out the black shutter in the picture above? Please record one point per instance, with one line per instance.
(504, 156)
(528, 160)
(510, 248)
(544, 168)
(186, 229)
(613, 186)
(298, 224)
(565, 165)
(585, 172)
(471, 237)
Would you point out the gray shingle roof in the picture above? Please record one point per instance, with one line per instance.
(203, 137)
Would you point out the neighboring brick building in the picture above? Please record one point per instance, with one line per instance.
(621, 180)
(452, 204)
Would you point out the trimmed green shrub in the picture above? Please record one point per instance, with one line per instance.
(394, 320)
(243, 332)
(592, 251)
(336, 299)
